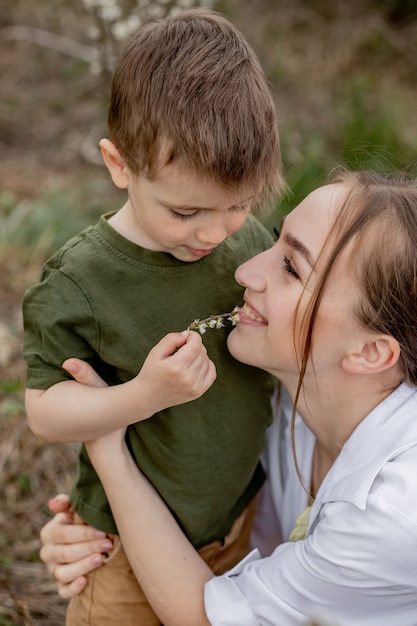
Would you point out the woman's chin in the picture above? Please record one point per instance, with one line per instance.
(238, 347)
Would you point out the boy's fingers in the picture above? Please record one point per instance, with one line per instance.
(210, 375)
(171, 343)
(191, 350)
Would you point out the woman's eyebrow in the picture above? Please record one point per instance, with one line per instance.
(298, 246)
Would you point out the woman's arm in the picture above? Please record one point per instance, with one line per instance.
(170, 571)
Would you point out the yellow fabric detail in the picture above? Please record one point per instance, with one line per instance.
(301, 525)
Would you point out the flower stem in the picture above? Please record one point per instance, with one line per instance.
(215, 321)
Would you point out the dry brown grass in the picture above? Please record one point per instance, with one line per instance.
(31, 471)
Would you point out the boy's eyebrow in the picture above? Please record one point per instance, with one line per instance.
(180, 207)
(298, 246)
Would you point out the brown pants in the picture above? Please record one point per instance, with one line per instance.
(113, 596)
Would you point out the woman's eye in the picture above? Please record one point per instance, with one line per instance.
(276, 233)
(288, 267)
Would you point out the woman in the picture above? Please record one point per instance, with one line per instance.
(331, 311)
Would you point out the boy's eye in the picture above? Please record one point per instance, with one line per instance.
(288, 267)
(182, 216)
(244, 208)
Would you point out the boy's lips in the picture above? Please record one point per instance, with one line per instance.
(251, 314)
(199, 252)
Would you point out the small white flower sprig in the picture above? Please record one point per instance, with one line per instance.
(215, 321)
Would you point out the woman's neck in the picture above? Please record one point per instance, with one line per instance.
(322, 462)
(333, 409)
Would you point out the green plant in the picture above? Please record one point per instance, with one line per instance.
(363, 131)
(37, 227)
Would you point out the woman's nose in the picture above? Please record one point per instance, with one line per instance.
(252, 274)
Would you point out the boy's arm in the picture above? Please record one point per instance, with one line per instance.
(177, 370)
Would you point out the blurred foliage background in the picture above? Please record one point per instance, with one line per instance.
(344, 78)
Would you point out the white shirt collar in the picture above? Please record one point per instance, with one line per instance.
(388, 430)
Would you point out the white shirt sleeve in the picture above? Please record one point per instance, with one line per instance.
(358, 563)
(350, 567)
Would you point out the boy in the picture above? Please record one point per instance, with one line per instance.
(194, 142)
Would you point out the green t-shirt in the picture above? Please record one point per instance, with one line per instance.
(108, 301)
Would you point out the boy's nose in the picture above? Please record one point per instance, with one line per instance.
(214, 232)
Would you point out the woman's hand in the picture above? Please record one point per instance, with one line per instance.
(70, 551)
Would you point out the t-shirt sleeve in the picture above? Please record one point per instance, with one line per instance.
(58, 324)
(263, 238)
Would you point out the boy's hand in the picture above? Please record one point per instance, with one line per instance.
(177, 370)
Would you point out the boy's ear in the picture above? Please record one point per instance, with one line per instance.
(114, 163)
(376, 355)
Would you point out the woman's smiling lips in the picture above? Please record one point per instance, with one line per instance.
(247, 313)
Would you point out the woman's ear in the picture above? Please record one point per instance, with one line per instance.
(376, 355)
(114, 163)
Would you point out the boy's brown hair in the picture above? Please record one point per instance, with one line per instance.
(190, 88)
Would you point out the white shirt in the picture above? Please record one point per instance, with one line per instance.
(358, 562)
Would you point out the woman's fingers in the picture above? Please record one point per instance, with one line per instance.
(61, 530)
(59, 503)
(67, 573)
(83, 373)
(67, 592)
(70, 551)
(64, 555)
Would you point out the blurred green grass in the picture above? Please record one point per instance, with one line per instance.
(37, 226)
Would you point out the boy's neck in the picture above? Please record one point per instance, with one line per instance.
(124, 223)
